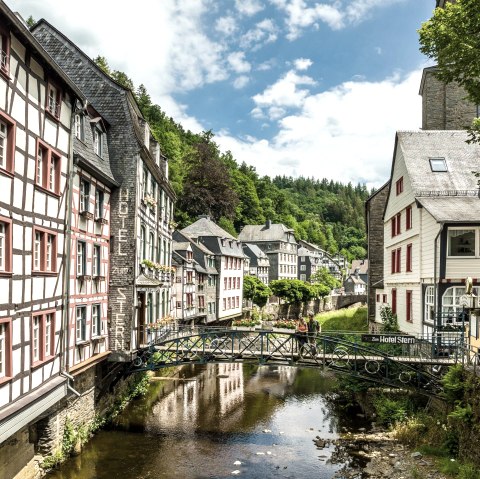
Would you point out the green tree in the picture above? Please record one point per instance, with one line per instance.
(256, 291)
(322, 276)
(389, 320)
(451, 37)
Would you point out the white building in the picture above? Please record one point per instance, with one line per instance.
(431, 229)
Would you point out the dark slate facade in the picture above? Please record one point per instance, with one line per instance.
(129, 153)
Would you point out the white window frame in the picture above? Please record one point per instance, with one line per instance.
(97, 260)
(98, 141)
(3, 246)
(3, 144)
(37, 322)
(453, 308)
(81, 324)
(81, 258)
(429, 304)
(47, 339)
(475, 246)
(97, 325)
(3, 349)
(84, 195)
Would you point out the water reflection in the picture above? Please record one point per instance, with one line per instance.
(199, 424)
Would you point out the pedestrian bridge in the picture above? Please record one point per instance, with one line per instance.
(393, 360)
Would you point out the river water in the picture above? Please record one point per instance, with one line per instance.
(214, 416)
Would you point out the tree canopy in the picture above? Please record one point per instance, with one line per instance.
(256, 291)
(206, 180)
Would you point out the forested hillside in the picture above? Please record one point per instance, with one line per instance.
(209, 181)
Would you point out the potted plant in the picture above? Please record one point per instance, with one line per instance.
(284, 326)
(245, 324)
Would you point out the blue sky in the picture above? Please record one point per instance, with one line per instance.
(295, 87)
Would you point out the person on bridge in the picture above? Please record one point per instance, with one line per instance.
(302, 330)
(313, 328)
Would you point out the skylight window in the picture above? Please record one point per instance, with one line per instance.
(438, 164)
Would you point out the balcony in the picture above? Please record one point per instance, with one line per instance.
(86, 214)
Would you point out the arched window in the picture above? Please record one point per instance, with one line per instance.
(451, 308)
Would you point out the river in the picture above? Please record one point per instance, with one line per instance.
(218, 421)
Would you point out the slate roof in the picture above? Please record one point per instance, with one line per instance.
(204, 226)
(361, 265)
(461, 158)
(355, 279)
(180, 246)
(272, 232)
(453, 209)
(255, 254)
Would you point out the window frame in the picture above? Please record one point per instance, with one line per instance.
(6, 247)
(97, 321)
(409, 305)
(79, 126)
(10, 145)
(475, 246)
(399, 186)
(435, 169)
(97, 137)
(49, 156)
(84, 189)
(5, 52)
(43, 355)
(56, 111)
(97, 260)
(81, 268)
(99, 203)
(83, 324)
(6, 351)
(408, 264)
(408, 218)
(44, 235)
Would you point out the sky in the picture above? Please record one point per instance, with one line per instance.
(293, 87)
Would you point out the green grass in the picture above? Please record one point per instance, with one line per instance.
(351, 319)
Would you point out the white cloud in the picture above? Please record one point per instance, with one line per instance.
(301, 14)
(346, 133)
(238, 63)
(264, 32)
(226, 26)
(240, 82)
(248, 7)
(284, 93)
(302, 63)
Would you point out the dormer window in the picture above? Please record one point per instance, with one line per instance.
(78, 126)
(54, 100)
(97, 141)
(438, 165)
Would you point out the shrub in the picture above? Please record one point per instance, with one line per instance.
(390, 411)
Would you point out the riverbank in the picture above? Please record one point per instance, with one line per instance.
(385, 458)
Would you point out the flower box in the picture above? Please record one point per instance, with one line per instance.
(243, 328)
(283, 330)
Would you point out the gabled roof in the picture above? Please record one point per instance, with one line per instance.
(355, 279)
(204, 226)
(461, 158)
(256, 251)
(361, 265)
(266, 232)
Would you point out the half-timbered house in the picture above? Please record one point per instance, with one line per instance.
(36, 104)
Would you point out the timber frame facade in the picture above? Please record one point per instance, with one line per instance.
(36, 104)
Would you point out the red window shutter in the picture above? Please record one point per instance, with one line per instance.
(394, 226)
(399, 260)
(409, 218)
(399, 223)
(394, 301)
(409, 306)
(394, 262)
(409, 257)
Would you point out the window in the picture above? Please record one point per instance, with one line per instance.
(47, 168)
(396, 261)
(303, 277)
(44, 251)
(399, 186)
(5, 245)
(438, 165)
(384, 298)
(54, 101)
(43, 337)
(81, 258)
(224, 304)
(144, 181)
(143, 246)
(4, 52)
(84, 196)
(451, 308)
(229, 283)
(229, 302)
(5, 349)
(97, 329)
(78, 126)
(7, 142)
(81, 324)
(303, 267)
(189, 277)
(152, 247)
(409, 258)
(237, 301)
(394, 301)
(408, 306)
(429, 304)
(97, 141)
(461, 242)
(99, 198)
(408, 214)
(97, 261)
(396, 224)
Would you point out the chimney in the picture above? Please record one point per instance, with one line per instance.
(201, 217)
(268, 223)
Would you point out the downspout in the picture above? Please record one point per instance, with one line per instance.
(438, 320)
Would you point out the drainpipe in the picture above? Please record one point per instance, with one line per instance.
(437, 319)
